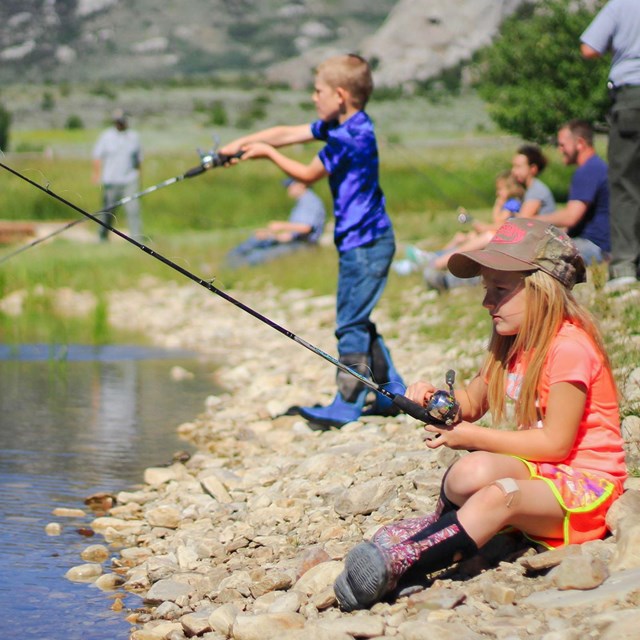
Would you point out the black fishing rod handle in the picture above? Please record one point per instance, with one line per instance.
(413, 409)
(196, 171)
(220, 159)
(217, 160)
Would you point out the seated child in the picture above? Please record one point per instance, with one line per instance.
(559, 466)
(509, 195)
(281, 237)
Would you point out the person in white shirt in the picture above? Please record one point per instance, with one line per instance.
(117, 158)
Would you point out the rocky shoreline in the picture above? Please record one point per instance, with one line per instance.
(244, 538)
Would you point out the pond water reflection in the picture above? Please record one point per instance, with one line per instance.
(74, 421)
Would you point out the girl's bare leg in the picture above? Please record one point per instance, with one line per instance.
(487, 507)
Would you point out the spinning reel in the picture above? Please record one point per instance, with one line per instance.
(443, 407)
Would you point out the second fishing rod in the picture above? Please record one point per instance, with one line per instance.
(208, 160)
(442, 407)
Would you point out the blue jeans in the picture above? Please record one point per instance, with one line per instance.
(362, 277)
(253, 251)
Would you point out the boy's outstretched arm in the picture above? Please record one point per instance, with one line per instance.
(307, 173)
(279, 136)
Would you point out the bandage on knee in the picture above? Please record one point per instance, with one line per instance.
(510, 490)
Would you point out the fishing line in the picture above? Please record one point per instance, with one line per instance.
(402, 402)
(207, 161)
(403, 149)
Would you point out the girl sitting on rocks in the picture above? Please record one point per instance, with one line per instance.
(556, 475)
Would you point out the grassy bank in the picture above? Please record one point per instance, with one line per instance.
(435, 157)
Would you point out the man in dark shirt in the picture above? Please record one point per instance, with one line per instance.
(616, 28)
(586, 216)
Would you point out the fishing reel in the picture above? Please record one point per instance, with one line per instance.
(211, 158)
(443, 407)
(464, 217)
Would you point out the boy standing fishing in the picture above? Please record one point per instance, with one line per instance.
(363, 231)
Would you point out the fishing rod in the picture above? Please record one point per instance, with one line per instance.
(432, 183)
(208, 160)
(442, 405)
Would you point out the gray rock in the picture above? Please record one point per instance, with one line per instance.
(84, 572)
(616, 589)
(628, 505)
(364, 498)
(413, 630)
(580, 572)
(195, 624)
(627, 553)
(267, 626)
(167, 589)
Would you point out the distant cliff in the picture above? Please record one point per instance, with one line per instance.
(146, 40)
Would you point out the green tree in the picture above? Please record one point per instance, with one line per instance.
(5, 124)
(533, 76)
(74, 121)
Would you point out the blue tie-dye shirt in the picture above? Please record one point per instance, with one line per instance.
(351, 159)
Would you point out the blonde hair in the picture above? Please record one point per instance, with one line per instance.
(514, 188)
(351, 73)
(548, 303)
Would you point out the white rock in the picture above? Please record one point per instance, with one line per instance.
(267, 626)
(222, 619)
(83, 572)
(95, 553)
(64, 512)
(318, 578)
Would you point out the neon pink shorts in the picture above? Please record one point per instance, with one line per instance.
(584, 496)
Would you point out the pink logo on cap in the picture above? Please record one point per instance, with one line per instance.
(509, 234)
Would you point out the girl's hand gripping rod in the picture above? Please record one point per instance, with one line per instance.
(442, 406)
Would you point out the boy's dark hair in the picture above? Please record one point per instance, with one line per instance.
(580, 129)
(351, 72)
(534, 156)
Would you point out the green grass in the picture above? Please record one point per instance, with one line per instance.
(427, 171)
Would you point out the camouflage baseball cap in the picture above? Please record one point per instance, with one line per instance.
(525, 244)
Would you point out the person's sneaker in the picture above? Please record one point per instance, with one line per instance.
(615, 284)
(435, 279)
(365, 579)
(404, 267)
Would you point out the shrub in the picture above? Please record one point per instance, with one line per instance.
(74, 122)
(533, 76)
(48, 101)
(218, 114)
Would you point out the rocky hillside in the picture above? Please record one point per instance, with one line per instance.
(106, 40)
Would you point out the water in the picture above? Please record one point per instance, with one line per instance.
(75, 421)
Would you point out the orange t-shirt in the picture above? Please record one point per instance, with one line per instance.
(573, 357)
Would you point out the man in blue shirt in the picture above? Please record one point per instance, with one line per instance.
(617, 28)
(586, 216)
(363, 233)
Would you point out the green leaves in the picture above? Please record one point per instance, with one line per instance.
(534, 77)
